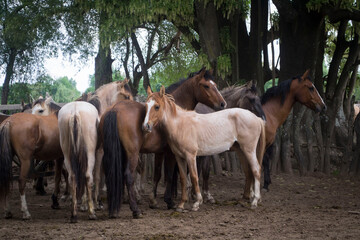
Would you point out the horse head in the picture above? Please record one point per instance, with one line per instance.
(45, 106)
(156, 106)
(307, 94)
(207, 91)
(123, 90)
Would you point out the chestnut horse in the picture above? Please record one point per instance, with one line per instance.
(190, 134)
(78, 123)
(121, 135)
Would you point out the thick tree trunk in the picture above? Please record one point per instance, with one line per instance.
(103, 62)
(297, 116)
(310, 141)
(286, 146)
(8, 76)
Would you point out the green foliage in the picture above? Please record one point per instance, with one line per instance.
(62, 90)
(269, 84)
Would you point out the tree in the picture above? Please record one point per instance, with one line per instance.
(26, 28)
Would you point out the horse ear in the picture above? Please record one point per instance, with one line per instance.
(202, 73)
(148, 91)
(162, 91)
(306, 74)
(249, 84)
(122, 83)
(48, 100)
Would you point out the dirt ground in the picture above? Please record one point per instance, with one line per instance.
(311, 207)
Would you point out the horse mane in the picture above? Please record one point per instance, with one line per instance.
(95, 102)
(171, 100)
(281, 90)
(233, 93)
(174, 86)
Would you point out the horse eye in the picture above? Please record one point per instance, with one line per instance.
(206, 86)
(311, 89)
(127, 97)
(157, 108)
(41, 111)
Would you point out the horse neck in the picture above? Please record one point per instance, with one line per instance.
(278, 112)
(170, 120)
(184, 95)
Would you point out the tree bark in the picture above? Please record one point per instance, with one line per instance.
(8, 76)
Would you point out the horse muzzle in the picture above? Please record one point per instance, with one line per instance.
(147, 127)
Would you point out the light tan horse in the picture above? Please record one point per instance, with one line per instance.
(190, 134)
(78, 123)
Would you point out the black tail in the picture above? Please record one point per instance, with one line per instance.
(78, 157)
(266, 166)
(114, 154)
(6, 156)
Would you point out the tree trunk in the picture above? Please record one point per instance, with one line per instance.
(309, 120)
(217, 164)
(297, 116)
(8, 76)
(286, 146)
(144, 69)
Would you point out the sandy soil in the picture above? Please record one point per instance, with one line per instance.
(311, 207)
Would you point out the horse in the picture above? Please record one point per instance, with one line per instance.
(277, 103)
(244, 96)
(190, 134)
(122, 138)
(27, 136)
(78, 122)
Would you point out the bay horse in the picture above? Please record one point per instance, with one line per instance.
(277, 103)
(78, 122)
(190, 134)
(121, 135)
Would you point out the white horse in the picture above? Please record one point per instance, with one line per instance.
(190, 134)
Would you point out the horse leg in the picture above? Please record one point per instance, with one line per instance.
(256, 172)
(58, 168)
(266, 166)
(66, 194)
(169, 167)
(159, 158)
(182, 169)
(72, 183)
(89, 184)
(206, 175)
(98, 173)
(191, 161)
(24, 170)
(8, 213)
(130, 172)
(247, 172)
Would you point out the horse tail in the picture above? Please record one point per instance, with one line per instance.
(78, 157)
(6, 156)
(260, 150)
(114, 155)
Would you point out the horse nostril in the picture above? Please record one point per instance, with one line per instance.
(222, 105)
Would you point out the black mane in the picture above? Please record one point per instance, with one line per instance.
(281, 90)
(174, 86)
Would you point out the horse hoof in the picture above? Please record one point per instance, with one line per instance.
(92, 217)
(253, 206)
(181, 210)
(137, 215)
(171, 205)
(8, 215)
(26, 217)
(55, 206)
(83, 208)
(73, 219)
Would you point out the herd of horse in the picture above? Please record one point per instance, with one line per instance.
(102, 134)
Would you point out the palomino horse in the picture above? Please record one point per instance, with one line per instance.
(123, 139)
(27, 136)
(277, 103)
(245, 97)
(190, 134)
(78, 123)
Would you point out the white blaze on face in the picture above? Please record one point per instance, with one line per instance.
(212, 82)
(149, 105)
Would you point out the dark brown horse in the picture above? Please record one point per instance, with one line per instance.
(123, 139)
